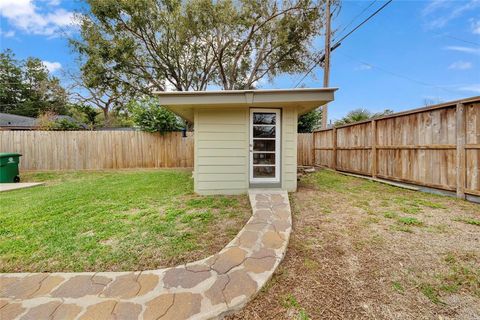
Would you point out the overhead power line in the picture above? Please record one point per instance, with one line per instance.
(456, 38)
(356, 17)
(398, 75)
(339, 42)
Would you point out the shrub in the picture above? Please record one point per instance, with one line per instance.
(48, 121)
(149, 116)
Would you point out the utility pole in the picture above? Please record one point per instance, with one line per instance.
(326, 63)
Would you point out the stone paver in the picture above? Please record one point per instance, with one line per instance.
(203, 289)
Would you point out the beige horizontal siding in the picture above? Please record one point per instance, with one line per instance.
(221, 169)
(224, 144)
(221, 161)
(225, 136)
(289, 149)
(225, 185)
(221, 149)
(215, 128)
(209, 177)
(220, 152)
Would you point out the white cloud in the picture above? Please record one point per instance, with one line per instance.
(7, 34)
(433, 6)
(464, 49)
(461, 65)
(475, 26)
(471, 88)
(52, 66)
(25, 15)
(363, 67)
(438, 13)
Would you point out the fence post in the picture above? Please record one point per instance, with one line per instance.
(313, 148)
(334, 150)
(374, 148)
(460, 133)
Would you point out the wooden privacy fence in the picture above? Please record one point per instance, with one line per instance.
(304, 150)
(83, 150)
(78, 150)
(437, 146)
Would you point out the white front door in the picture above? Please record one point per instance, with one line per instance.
(264, 145)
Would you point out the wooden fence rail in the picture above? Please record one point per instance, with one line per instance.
(80, 150)
(437, 146)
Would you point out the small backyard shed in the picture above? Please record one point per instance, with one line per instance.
(245, 138)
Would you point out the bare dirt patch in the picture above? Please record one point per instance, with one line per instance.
(364, 250)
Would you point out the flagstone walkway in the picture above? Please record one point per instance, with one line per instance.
(205, 289)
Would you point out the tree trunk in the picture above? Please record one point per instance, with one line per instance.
(106, 116)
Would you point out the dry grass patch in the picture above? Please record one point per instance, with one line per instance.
(365, 250)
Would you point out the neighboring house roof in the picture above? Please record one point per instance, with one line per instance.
(15, 121)
(183, 103)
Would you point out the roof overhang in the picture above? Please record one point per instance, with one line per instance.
(183, 103)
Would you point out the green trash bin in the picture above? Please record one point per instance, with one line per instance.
(9, 167)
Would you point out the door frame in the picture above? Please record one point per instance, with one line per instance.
(278, 137)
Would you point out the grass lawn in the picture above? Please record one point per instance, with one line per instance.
(112, 221)
(365, 250)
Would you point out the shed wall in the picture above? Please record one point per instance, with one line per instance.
(221, 150)
(289, 149)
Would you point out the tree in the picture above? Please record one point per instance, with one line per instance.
(309, 122)
(149, 116)
(28, 89)
(107, 96)
(42, 92)
(90, 114)
(193, 44)
(358, 115)
(11, 85)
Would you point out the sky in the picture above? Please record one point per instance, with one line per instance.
(410, 54)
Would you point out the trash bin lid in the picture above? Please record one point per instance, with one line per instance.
(9, 154)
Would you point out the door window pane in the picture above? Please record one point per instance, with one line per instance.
(264, 158)
(263, 145)
(264, 131)
(263, 118)
(264, 172)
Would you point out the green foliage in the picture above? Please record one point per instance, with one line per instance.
(65, 125)
(431, 293)
(149, 116)
(141, 44)
(472, 221)
(309, 121)
(358, 115)
(27, 87)
(289, 301)
(50, 121)
(89, 113)
(390, 215)
(397, 286)
(410, 221)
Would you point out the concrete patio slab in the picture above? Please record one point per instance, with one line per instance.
(205, 289)
(21, 185)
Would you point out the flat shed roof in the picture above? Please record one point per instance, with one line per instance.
(183, 103)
